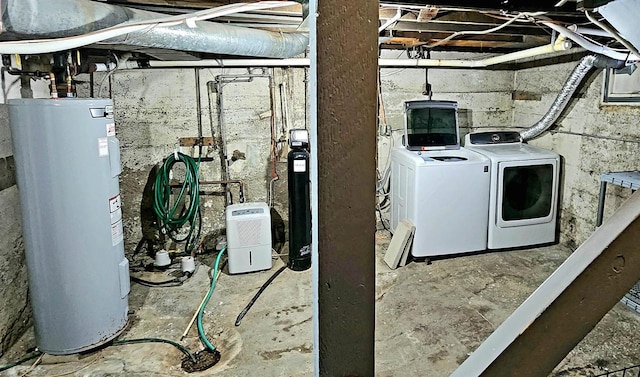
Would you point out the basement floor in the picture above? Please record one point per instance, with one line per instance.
(429, 318)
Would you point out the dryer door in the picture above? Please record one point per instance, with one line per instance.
(527, 192)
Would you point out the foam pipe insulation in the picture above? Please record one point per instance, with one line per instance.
(34, 19)
(562, 100)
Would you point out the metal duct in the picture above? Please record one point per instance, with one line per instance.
(567, 91)
(67, 18)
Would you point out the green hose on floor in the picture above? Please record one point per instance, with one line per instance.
(216, 267)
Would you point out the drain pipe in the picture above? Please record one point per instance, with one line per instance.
(570, 86)
(591, 46)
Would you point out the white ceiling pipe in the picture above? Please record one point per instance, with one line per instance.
(594, 47)
(228, 63)
(589, 31)
(560, 45)
(391, 21)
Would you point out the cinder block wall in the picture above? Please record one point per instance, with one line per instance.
(483, 96)
(154, 108)
(591, 137)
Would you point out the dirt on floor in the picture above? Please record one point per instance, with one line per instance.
(429, 317)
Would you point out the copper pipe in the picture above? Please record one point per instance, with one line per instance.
(54, 89)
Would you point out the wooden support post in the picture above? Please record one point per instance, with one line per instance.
(347, 50)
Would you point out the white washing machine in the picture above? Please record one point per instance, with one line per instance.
(441, 188)
(523, 198)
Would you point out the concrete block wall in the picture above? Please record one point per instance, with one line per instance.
(483, 96)
(154, 108)
(592, 138)
(15, 311)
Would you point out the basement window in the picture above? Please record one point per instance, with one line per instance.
(622, 86)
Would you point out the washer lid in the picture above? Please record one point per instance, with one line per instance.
(431, 125)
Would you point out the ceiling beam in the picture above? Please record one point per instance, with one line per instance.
(435, 26)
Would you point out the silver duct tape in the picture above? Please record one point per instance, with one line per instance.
(561, 100)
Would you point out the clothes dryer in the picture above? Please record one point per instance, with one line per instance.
(523, 197)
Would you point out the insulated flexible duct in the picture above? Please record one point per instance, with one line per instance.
(570, 86)
(71, 20)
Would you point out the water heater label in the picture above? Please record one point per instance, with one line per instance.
(103, 147)
(115, 203)
(299, 166)
(111, 129)
(116, 216)
(117, 233)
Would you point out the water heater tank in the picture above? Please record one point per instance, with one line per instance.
(68, 162)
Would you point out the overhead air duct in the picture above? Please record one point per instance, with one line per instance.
(570, 86)
(76, 23)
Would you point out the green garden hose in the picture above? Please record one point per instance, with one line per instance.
(174, 214)
(203, 336)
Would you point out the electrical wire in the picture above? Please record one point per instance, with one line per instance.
(479, 32)
(257, 295)
(120, 342)
(106, 77)
(179, 346)
(173, 215)
(201, 333)
(175, 282)
(614, 33)
(29, 357)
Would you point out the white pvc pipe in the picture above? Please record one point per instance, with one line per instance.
(292, 62)
(597, 48)
(560, 45)
(391, 21)
(589, 31)
(43, 46)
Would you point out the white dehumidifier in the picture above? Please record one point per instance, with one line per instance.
(248, 237)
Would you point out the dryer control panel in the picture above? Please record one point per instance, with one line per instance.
(498, 137)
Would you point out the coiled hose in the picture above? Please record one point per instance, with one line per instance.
(173, 215)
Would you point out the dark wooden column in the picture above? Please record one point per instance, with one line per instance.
(347, 50)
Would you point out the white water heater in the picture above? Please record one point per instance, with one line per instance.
(248, 237)
(67, 164)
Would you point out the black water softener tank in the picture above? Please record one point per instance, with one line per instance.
(299, 201)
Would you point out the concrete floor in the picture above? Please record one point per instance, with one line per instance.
(429, 318)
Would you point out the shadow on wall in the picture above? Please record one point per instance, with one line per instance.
(465, 122)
